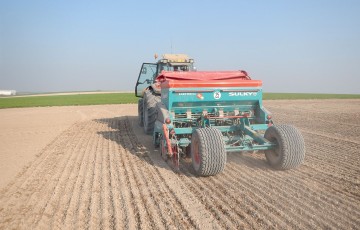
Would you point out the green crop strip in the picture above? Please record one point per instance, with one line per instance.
(129, 98)
(65, 100)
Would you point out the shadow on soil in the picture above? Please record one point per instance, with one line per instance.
(129, 135)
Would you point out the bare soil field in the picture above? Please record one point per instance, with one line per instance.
(91, 167)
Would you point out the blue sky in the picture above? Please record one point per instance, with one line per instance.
(293, 46)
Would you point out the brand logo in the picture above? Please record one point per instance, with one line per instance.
(242, 94)
(217, 95)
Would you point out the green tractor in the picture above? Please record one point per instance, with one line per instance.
(149, 91)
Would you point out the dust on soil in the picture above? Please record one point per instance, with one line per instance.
(101, 171)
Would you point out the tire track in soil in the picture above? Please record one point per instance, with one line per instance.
(140, 213)
(144, 213)
(52, 203)
(65, 189)
(259, 206)
(108, 200)
(339, 179)
(155, 179)
(97, 190)
(320, 183)
(94, 177)
(228, 179)
(339, 162)
(107, 197)
(83, 187)
(67, 184)
(334, 165)
(287, 193)
(334, 151)
(29, 169)
(99, 175)
(121, 209)
(142, 170)
(126, 208)
(269, 208)
(322, 188)
(83, 213)
(36, 165)
(228, 215)
(186, 203)
(337, 129)
(331, 203)
(36, 182)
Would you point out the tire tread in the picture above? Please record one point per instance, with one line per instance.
(291, 143)
(212, 151)
(150, 101)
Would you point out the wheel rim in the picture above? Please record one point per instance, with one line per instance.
(274, 155)
(196, 153)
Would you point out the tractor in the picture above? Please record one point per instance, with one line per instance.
(204, 115)
(148, 89)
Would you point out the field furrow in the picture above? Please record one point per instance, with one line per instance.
(290, 194)
(105, 174)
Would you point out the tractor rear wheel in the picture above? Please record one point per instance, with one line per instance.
(141, 112)
(208, 151)
(149, 111)
(290, 150)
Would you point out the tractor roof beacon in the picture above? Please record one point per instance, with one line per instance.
(205, 115)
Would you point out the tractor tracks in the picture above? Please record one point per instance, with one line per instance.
(95, 175)
(105, 174)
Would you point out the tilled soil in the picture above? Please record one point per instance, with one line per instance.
(104, 174)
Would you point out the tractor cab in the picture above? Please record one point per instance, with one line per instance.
(169, 62)
(175, 62)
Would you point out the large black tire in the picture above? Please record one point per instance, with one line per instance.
(208, 151)
(141, 112)
(149, 112)
(290, 150)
